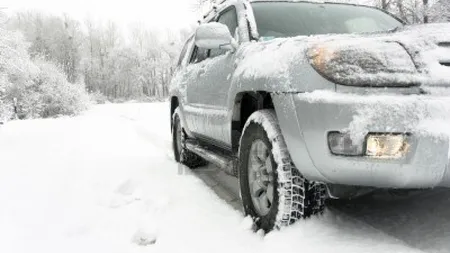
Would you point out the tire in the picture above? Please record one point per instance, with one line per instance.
(290, 196)
(180, 152)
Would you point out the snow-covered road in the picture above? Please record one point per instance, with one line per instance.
(106, 182)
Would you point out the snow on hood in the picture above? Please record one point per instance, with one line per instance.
(428, 46)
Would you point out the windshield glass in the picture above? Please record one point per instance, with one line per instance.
(289, 19)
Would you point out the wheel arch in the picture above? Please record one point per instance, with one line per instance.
(245, 104)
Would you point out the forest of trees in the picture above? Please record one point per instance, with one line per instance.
(33, 87)
(416, 11)
(131, 64)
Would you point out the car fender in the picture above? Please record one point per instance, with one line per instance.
(277, 66)
(290, 125)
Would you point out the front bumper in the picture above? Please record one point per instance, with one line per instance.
(306, 119)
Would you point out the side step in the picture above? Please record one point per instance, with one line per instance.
(227, 163)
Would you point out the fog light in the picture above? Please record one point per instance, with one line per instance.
(342, 144)
(386, 145)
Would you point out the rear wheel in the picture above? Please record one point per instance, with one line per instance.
(273, 191)
(180, 152)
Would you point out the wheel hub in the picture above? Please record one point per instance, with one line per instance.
(260, 177)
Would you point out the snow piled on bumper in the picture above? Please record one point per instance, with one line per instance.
(422, 115)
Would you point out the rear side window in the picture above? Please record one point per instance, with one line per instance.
(228, 18)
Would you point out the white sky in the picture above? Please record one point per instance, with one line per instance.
(155, 13)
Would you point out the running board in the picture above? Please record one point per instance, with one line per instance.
(226, 163)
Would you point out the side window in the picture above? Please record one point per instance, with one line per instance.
(185, 52)
(199, 55)
(230, 19)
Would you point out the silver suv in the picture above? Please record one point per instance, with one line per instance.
(305, 101)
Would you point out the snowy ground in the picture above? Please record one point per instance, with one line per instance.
(106, 182)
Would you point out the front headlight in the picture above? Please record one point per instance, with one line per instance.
(363, 63)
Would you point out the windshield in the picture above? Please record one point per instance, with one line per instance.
(289, 19)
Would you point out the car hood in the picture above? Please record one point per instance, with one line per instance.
(428, 45)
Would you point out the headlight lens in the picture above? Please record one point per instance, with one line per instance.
(363, 63)
(387, 146)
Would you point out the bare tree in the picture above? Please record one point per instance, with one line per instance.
(425, 12)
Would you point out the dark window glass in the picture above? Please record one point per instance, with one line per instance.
(284, 19)
(228, 18)
(199, 55)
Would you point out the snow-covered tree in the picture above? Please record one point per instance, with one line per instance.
(39, 86)
(440, 12)
(141, 67)
(16, 70)
(53, 94)
(58, 39)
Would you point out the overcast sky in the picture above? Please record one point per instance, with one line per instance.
(157, 13)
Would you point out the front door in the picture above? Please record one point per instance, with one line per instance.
(206, 110)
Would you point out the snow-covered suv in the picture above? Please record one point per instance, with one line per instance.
(303, 101)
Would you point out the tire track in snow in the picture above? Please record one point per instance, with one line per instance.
(143, 131)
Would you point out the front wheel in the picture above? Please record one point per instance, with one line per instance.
(273, 191)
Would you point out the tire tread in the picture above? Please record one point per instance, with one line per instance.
(298, 197)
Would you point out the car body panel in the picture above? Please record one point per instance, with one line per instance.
(206, 107)
(206, 104)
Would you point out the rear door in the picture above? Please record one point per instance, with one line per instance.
(206, 110)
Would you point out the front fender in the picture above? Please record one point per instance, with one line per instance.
(293, 135)
(276, 67)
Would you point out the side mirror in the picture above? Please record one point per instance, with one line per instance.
(214, 36)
